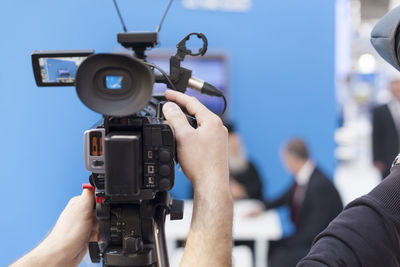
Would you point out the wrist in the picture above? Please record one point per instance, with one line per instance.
(213, 190)
(204, 182)
(39, 257)
(50, 253)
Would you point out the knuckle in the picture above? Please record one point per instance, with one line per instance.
(214, 119)
(192, 100)
(225, 131)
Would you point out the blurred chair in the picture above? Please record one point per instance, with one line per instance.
(242, 256)
(176, 257)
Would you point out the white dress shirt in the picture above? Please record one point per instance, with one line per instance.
(303, 176)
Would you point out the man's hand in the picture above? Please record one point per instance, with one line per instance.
(238, 190)
(380, 166)
(202, 151)
(66, 245)
(203, 156)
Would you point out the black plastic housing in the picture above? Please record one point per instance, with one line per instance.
(138, 39)
(123, 164)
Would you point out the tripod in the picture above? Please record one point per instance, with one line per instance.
(133, 234)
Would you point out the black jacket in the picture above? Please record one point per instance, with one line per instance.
(385, 139)
(366, 233)
(250, 180)
(321, 204)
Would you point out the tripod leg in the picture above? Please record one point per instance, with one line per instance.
(159, 237)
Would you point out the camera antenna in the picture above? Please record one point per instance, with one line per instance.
(163, 17)
(119, 15)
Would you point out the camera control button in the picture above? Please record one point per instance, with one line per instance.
(150, 181)
(164, 170)
(165, 156)
(149, 154)
(99, 199)
(150, 169)
(165, 184)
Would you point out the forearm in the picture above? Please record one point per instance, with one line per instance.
(203, 155)
(66, 244)
(210, 238)
(41, 256)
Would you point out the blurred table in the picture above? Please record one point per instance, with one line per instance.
(355, 179)
(261, 229)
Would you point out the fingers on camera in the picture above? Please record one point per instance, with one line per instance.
(176, 117)
(193, 107)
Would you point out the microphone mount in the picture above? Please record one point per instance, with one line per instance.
(180, 76)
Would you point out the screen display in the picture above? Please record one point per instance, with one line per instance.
(59, 69)
(114, 82)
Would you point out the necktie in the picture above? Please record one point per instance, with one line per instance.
(298, 192)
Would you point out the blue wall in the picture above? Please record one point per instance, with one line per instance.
(282, 85)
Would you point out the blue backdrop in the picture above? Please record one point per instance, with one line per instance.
(282, 85)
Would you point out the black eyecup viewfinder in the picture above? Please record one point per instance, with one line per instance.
(134, 90)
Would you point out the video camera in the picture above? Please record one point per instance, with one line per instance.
(131, 154)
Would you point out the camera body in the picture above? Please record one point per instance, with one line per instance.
(131, 158)
(131, 154)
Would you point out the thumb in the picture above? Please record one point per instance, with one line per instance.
(176, 118)
(87, 198)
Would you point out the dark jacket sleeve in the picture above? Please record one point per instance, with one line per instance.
(365, 234)
(285, 199)
(254, 185)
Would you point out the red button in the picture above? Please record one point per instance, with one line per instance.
(99, 199)
(88, 187)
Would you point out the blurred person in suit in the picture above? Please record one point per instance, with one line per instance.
(245, 180)
(386, 131)
(313, 201)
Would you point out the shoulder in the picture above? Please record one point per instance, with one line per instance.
(381, 109)
(321, 182)
(251, 164)
(351, 236)
(319, 177)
